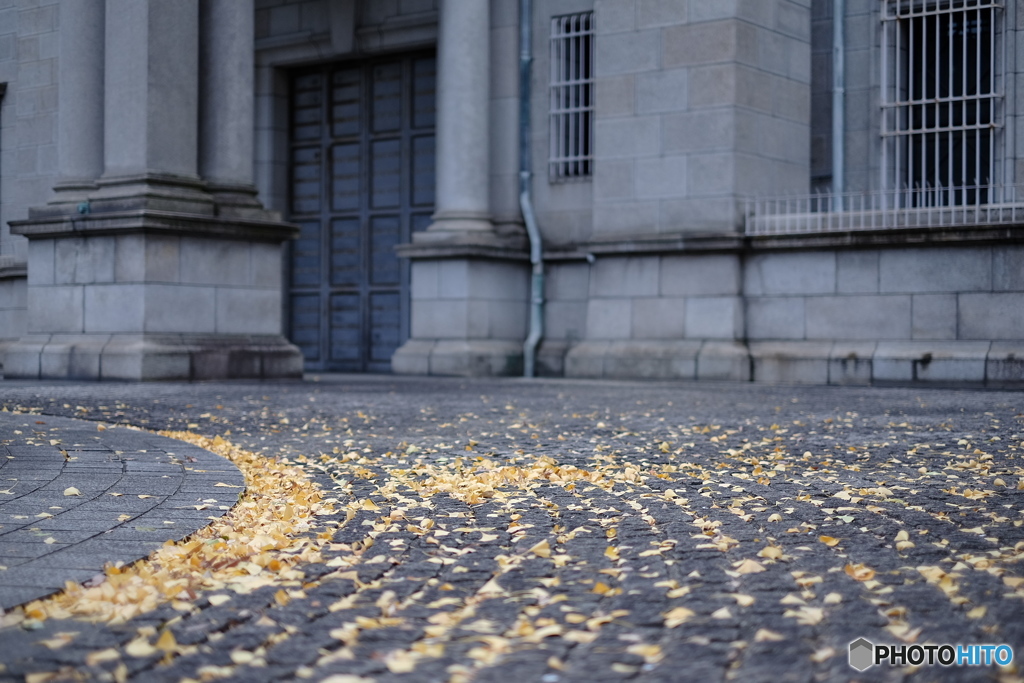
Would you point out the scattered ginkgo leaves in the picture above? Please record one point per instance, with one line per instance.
(721, 468)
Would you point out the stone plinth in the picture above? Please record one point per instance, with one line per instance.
(147, 294)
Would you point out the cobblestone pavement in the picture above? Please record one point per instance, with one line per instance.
(74, 497)
(564, 531)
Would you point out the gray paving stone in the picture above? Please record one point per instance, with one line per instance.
(117, 460)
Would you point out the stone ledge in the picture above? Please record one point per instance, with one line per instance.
(12, 268)
(153, 221)
(902, 237)
(486, 244)
(738, 242)
(144, 357)
(648, 244)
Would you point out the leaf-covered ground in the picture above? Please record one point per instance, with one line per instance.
(557, 531)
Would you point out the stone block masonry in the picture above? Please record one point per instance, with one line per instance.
(939, 314)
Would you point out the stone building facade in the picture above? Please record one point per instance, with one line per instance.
(814, 191)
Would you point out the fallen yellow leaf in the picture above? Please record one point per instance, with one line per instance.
(677, 616)
(140, 647)
(765, 635)
(824, 653)
(743, 600)
(166, 642)
(829, 541)
(651, 653)
(59, 640)
(859, 572)
(542, 549)
(72, 491)
(108, 655)
(400, 661)
(749, 566)
(807, 616)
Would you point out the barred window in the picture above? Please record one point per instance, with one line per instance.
(943, 100)
(572, 97)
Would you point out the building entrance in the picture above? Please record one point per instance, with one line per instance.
(361, 182)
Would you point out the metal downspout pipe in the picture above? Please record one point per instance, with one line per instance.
(525, 193)
(838, 102)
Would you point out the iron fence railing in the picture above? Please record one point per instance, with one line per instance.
(921, 207)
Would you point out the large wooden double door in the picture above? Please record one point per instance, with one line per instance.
(362, 181)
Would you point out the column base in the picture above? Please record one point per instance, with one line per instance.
(459, 357)
(994, 364)
(147, 357)
(659, 359)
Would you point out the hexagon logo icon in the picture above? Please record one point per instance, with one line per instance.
(862, 654)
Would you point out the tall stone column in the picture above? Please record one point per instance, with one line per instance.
(80, 98)
(226, 107)
(151, 108)
(463, 112)
(156, 274)
(470, 283)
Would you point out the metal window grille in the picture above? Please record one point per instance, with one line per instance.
(572, 97)
(943, 101)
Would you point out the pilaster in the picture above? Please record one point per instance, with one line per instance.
(168, 267)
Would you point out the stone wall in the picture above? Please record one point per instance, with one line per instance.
(893, 314)
(137, 284)
(917, 313)
(29, 49)
(699, 105)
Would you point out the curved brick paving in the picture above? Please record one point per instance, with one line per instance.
(136, 491)
(896, 515)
